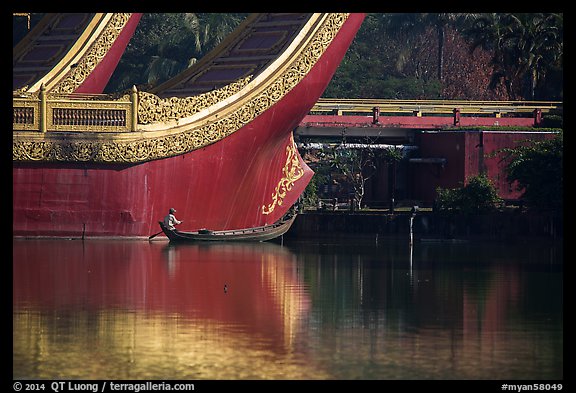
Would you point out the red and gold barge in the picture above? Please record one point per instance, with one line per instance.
(215, 142)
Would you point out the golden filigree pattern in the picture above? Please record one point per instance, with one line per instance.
(140, 148)
(77, 75)
(291, 171)
(153, 109)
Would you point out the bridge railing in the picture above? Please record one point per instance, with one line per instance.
(92, 113)
(431, 107)
(73, 113)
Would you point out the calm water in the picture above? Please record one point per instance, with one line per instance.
(304, 310)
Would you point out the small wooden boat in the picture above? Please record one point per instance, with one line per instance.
(256, 234)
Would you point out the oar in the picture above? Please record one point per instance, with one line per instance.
(154, 235)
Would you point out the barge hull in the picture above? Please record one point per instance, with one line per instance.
(250, 178)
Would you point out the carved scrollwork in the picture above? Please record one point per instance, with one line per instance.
(153, 109)
(291, 172)
(98, 50)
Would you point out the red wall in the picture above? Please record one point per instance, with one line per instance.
(465, 153)
(495, 167)
(426, 177)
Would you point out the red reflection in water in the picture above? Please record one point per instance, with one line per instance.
(485, 316)
(263, 294)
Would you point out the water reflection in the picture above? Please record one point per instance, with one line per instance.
(134, 310)
(331, 310)
(454, 311)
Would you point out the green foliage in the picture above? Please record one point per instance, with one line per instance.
(478, 196)
(527, 49)
(348, 85)
(165, 44)
(537, 167)
(394, 55)
(321, 165)
(347, 168)
(551, 121)
(310, 196)
(393, 155)
(380, 64)
(454, 56)
(357, 166)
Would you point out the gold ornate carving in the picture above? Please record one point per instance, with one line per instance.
(140, 146)
(153, 109)
(21, 92)
(292, 171)
(77, 75)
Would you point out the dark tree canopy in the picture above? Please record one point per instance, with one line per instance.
(476, 56)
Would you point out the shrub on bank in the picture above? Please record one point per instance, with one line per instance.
(477, 196)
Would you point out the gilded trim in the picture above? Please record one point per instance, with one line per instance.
(292, 171)
(98, 50)
(153, 109)
(157, 140)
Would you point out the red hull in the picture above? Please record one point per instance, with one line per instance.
(221, 186)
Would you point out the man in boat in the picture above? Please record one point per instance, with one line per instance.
(170, 220)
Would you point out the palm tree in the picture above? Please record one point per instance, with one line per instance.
(164, 45)
(415, 24)
(407, 27)
(490, 31)
(215, 27)
(440, 21)
(540, 45)
(524, 46)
